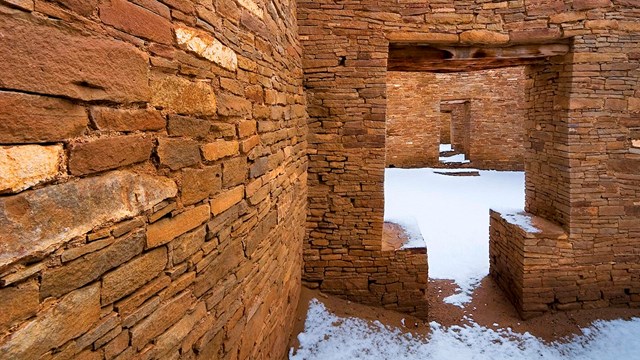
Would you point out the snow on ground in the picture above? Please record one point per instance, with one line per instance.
(455, 159)
(445, 147)
(452, 214)
(327, 336)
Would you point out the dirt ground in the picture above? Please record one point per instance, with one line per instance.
(488, 307)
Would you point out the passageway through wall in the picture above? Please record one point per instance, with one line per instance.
(481, 108)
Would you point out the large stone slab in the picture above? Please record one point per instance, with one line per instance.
(26, 118)
(24, 166)
(39, 221)
(71, 317)
(43, 57)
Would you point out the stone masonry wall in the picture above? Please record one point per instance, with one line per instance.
(581, 111)
(413, 120)
(495, 133)
(152, 178)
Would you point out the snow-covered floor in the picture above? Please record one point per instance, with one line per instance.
(329, 337)
(452, 214)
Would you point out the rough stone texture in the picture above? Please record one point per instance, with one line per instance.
(38, 221)
(166, 230)
(178, 153)
(132, 275)
(18, 303)
(219, 149)
(183, 96)
(579, 158)
(59, 281)
(22, 167)
(65, 62)
(207, 47)
(199, 184)
(413, 120)
(490, 132)
(71, 317)
(108, 153)
(126, 120)
(28, 118)
(136, 20)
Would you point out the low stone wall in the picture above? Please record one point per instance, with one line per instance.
(533, 261)
(394, 279)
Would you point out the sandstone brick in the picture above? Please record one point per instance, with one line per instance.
(249, 144)
(116, 346)
(72, 316)
(219, 268)
(182, 96)
(226, 200)
(131, 276)
(22, 167)
(127, 120)
(207, 47)
(260, 167)
(199, 184)
(166, 230)
(234, 171)
(189, 127)
(70, 64)
(18, 303)
(74, 253)
(178, 153)
(483, 37)
(220, 149)
(108, 153)
(31, 118)
(253, 7)
(187, 244)
(231, 105)
(590, 4)
(58, 213)
(247, 128)
(430, 37)
(106, 325)
(59, 281)
(634, 104)
(136, 21)
(21, 4)
(170, 339)
(161, 319)
(131, 307)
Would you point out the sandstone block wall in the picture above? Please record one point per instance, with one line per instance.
(152, 179)
(413, 120)
(581, 111)
(490, 132)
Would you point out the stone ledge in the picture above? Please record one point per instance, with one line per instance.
(36, 222)
(529, 225)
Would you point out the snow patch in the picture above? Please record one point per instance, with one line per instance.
(445, 147)
(516, 217)
(452, 215)
(455, 159)
(327, 336)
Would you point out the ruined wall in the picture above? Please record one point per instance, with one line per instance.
(579, 125)
(413, 120)
(152, 179)
(494, 138)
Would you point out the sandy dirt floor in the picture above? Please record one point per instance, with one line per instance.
(489, 308)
